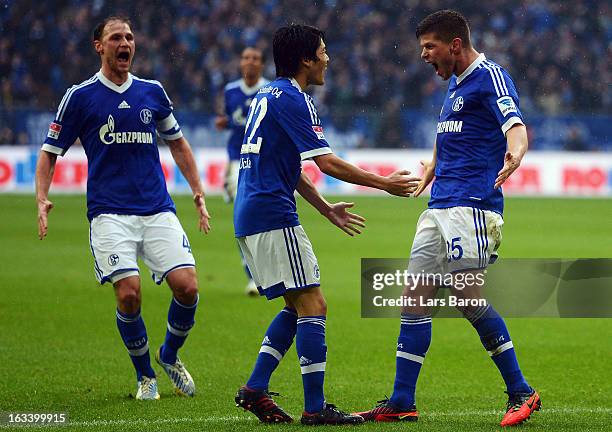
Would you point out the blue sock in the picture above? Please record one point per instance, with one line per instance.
(275, 345)
(180, 321)
(496, 340)
(412, 345)
(312, 354)
(134, 334)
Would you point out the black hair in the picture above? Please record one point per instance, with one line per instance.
(99, 29)
(292, 44)
(446, 25)
(259, 50)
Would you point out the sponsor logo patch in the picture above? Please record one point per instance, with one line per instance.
(506, 105)
(319, 131)
(54, 130)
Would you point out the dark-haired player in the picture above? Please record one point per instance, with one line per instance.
(237, 97)
(117, 117)
(283, 128)
(481, 140)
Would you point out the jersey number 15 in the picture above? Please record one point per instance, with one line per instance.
(257, 112)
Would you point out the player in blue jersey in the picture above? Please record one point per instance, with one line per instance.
(283, 128)
(237, 99)
(117, 117)
(481, 140)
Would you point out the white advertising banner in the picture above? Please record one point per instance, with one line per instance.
(557, 174)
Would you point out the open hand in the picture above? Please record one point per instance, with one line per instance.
(345, 220)
(511, 163)
(204, 224)
(429, 170)
(44, 208)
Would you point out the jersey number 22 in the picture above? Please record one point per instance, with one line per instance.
(257, 112)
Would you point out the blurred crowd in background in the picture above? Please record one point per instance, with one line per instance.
(558, 52)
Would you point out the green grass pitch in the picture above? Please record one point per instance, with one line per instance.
(60, 349)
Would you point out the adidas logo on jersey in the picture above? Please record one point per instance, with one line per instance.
(124, 105)
(266, 341)
(452, 95)
(304, 361)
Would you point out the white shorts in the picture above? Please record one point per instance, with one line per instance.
(230, 182)
(280, 260)
(455, 239)
(117, 241)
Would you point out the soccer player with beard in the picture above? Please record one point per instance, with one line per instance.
(237, 99)
(283, 129)
(117, 117)
(481, 140)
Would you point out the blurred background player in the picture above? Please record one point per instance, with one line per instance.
(481, 140)
(117, 117)
(283, 129)
(237, 99)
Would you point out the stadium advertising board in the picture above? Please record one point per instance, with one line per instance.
(541, 174)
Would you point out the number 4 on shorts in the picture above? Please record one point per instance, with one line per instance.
(186, 244)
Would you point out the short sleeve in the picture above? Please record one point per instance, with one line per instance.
(300, 120)
(500, 97)
(226, 104)
(167, 126)
(66, 126)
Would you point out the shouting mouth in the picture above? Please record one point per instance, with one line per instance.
(123, 57)
(436, 68)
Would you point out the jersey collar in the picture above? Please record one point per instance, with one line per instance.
(111, 85)
(295, 84)
(481, 57)
(252, 90)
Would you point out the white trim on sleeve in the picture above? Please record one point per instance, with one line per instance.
(172, 137)
(53, 149)
(514, 120)
(167, 123)
(316, 152)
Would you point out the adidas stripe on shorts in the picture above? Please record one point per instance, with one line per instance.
(280, 260)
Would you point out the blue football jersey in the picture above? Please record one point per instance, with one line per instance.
(238, 97)
(481, 105)
(283, 129)
(117, 126)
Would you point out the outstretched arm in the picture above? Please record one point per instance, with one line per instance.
(44, 175)
(183, 156)
(397, 183)
(336, 213)
(517, 147)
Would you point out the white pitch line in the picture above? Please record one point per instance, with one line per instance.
(556, 410)
(213, 419)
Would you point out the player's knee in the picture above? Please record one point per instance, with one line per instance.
(128, 298)
(323, 306)
(319, 306)
(466, 311)
(187, 292)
